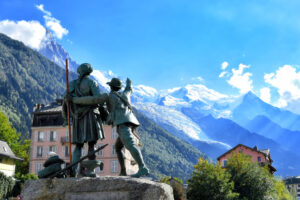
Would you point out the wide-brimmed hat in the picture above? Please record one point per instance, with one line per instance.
(115, 82)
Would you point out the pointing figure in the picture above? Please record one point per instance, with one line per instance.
(120, 115)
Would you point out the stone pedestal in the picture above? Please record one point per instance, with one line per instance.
(100, 188)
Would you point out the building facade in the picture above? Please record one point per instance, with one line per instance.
(7, 159)
(293, 185)
(49, 134)
(263, 157)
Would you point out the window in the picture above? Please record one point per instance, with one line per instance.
(38, 167)
(39, 151)
(259, 159)
(101, 152)
(66, 151)
(113, 150)
(114, 134)
(53, 148)
(41, 136)
(53, 136)
(114, 165)
(224, 163)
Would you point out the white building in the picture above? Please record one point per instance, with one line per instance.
(7, 159)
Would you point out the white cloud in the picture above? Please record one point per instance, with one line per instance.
(224, 65)
(52, 23)
(287, 82)
(31, 33)
(241, 80)
(41, 8)
(223, 74)
(265, 94)
(199, 78)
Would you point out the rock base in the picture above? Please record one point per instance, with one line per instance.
(100, 188)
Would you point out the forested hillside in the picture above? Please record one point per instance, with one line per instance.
(26, 78)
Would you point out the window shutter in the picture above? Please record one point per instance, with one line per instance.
(55, 135)
(36, 136)
(63, 151)
(45, 151)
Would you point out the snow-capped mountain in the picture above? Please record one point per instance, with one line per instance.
(207, 119)
(55, 52)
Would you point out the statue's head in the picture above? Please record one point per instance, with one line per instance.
(115, 84)
(84, 69)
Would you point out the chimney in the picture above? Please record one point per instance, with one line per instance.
(255, 148)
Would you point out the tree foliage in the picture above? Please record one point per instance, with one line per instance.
(210, 182)
(279, 191)
(20, 147)
(251, 181)
(241, 177)
(26, 78)
(177, 185)
(6, 185)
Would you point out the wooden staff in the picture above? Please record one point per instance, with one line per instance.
(68, 110)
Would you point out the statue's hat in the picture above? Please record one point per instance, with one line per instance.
(115, 82)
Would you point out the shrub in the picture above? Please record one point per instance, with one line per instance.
(177, 185)
(6, 185)
(210, 182)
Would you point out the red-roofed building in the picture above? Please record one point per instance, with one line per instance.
(263, 157)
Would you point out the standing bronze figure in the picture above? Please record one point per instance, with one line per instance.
(120, 115)
(86, 120)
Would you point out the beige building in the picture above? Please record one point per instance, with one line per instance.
(7, 159)
(48, 134)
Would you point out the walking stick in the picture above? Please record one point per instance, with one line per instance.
(68, 110)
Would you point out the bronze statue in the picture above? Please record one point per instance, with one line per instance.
(86, 120)
(120, 115)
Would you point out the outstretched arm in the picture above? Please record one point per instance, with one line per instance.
(91, 100)
(128, 88)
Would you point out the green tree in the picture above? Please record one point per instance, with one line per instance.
(210, 182)
(6, 185)
(177, 185)
(279, 190)
(251, 181)
(20, 147)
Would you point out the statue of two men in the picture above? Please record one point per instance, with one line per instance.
(87, 123)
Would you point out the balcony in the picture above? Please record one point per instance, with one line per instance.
(64, 139)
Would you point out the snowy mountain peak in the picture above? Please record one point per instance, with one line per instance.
(172, 101)
(55, 52)
(142, 93)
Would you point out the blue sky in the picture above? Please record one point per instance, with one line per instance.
(169, 43)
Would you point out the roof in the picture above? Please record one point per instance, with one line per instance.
(265, 151)
(293, 180)
(253, 149)
(53, 107)
(49, 115)
(6, 151)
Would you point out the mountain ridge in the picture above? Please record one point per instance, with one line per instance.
(27, 78)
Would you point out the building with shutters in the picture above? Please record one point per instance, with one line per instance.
(262, 157)
(48, 134)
